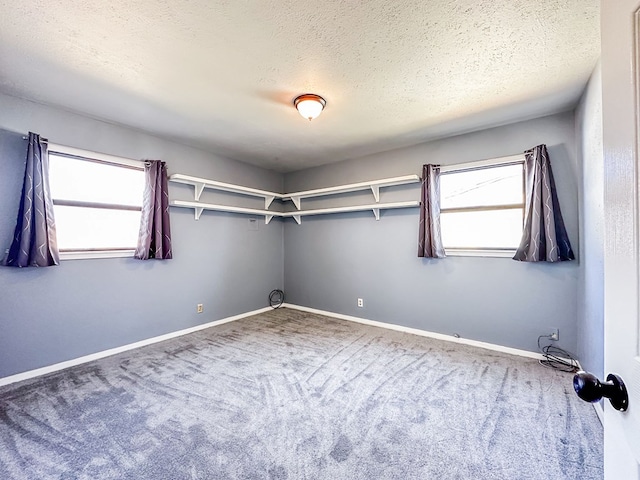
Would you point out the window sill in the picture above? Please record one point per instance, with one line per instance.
(461, 252)
(93, 254)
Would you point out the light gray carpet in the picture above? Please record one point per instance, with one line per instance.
(291, 395)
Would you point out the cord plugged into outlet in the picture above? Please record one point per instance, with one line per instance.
(556, 357)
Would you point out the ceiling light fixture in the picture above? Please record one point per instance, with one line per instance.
(309, 105)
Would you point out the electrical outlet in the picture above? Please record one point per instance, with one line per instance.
(360, 303)
(200, 308)
(554, 335)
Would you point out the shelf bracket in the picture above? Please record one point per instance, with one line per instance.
(376, 212)
(296, 202)
(375, 189)
(197, 212)
(198, 188)
(267, 202)
(297, 219)
(267, 219)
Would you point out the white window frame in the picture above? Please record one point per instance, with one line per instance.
(78, 153)
(489, 163)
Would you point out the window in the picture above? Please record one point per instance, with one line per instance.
(482, 208)
(97, 200)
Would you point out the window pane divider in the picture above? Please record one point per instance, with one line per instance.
(483, 208)
(107, 206)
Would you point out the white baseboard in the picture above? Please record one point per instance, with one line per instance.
(112, 351)
(423, 333)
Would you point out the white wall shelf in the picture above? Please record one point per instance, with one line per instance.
(199, 207)
(376, 207)
(199, 184)
(374, 185)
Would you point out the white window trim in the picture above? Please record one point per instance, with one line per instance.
(488, 163)
(467, 252)
(93, 254)
(102, 157)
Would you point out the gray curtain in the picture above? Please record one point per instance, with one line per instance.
(544, 238)
(34, 240)
(430, 239)
(154, 240)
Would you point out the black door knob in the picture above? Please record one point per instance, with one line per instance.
(590, 389)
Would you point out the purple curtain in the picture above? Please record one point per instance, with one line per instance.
(154, 240)
(544, 238)
(430, 239)
(34, 240)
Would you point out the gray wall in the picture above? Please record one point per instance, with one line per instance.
(591, 293)
(84, 306)
(333, 259)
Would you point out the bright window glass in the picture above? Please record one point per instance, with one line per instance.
(483, 208)
(89, 181)
(490, 229)
(96, 204)
(81, 228)
(482, 187)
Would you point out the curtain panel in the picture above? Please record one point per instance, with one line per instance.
(154, 240)
(34, 241)
(430, 238)
(544, 237)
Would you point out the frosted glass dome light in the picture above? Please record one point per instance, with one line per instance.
(309, 105)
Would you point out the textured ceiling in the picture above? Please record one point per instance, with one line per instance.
(222, 74)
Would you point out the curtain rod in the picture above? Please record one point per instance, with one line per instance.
(43, 140)
(516, 158)
(79, 152)
(24, 137)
